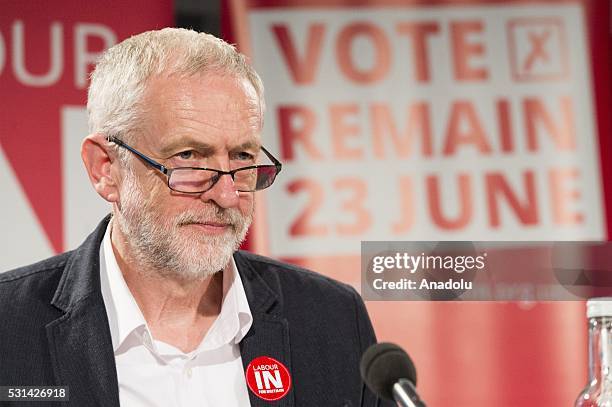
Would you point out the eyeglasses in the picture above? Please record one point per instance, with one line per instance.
(195, 180)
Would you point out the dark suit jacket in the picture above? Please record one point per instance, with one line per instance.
(54, 330)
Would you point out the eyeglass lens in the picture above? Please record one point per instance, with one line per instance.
(199, 180)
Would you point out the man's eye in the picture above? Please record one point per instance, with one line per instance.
(243, 155)
(186, 155)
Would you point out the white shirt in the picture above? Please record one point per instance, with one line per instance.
(153, 373)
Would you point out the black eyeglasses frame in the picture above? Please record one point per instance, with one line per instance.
(168, 171)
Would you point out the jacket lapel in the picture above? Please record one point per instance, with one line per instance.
(269, 333)
(79, 341)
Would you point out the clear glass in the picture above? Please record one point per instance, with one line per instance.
(598, 392)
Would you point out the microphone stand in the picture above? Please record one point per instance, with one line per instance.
(405, 394)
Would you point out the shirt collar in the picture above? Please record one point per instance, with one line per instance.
(126, 319)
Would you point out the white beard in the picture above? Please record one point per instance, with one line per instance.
(167, 245)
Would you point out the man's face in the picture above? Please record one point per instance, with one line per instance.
(205, 121)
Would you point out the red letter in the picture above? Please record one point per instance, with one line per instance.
(353, 206)
(340, 131)
(537, 49)
(304, 224)
(496, 185)
(302, 71)
(465, 200)
(417, 119)
(464, 50)
(563, 136)
(560, 197)
(474, 135)
(382, 60)
(406, 207)
(289, 134)
(505, 125)
(418, 32)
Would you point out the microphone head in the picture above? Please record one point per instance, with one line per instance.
(382, 365)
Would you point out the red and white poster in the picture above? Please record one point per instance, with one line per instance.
(440, 120)
(458, 121)
(47, 49)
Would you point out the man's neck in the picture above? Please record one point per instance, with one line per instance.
(177, 311)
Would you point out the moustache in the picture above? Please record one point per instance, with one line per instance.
(230, 216)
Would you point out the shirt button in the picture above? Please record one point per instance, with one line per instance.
(188, 372)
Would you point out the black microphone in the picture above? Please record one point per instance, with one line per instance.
(389, 372)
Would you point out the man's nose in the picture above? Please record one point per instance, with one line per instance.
(223, 193)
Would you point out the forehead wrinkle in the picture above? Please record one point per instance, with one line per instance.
(220, 119)
(195, 124)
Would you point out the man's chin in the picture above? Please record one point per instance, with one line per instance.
(198, 248)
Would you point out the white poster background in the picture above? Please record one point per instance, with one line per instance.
(383, 203)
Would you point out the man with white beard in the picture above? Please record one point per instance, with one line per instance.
(158, 307)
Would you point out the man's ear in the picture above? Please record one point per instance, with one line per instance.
(98, 159)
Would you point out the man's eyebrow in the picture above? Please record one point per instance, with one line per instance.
(248, 145)
(182, 143)
(203, 148)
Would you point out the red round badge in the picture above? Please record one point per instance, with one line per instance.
(268, 378)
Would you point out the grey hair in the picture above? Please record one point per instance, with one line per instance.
(120, 77)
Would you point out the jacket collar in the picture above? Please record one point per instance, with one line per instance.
(262, 294)
(81, 277)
